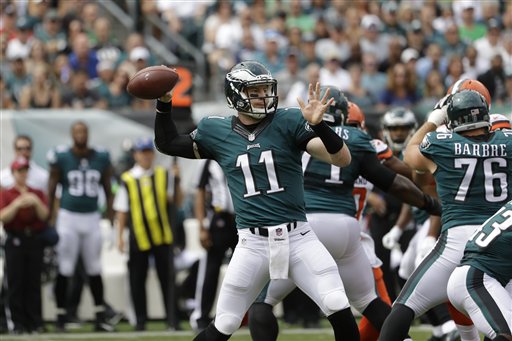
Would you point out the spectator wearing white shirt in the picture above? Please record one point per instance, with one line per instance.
(507, 53)
(299, 89)
(21, 45)
(472, 65)
(37, 175)
(491, 44)
(336, 41)
(332, 74)
(460, 6)
(372, 41)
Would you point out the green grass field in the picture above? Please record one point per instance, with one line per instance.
(242, 335)
(156, 332)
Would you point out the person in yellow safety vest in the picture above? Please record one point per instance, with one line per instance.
(142, 204)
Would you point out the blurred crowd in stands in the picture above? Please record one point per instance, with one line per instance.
(380, 53)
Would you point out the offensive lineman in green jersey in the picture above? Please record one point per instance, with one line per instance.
(82, 172)
(331, 211)
(471, 166)
(481, 286)
(398, 126)
(260, 152)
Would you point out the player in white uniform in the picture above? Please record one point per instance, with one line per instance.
(260, 153)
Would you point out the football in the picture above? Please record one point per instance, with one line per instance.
(152, 82)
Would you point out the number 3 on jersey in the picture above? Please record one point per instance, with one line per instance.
(484, 236)
(267, 158)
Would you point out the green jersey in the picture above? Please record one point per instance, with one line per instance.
(262, 166)
(490, 248)
(80, 177)
(473, 175)
(328, 188)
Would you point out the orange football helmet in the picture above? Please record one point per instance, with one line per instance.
(470, 84)
(355, 116)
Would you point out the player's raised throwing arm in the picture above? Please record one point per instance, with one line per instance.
(167, 139)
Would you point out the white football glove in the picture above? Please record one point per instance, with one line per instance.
(424, 248)
(438, 116)
(390, 239)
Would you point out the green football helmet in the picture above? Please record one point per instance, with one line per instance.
(398, 117)
(244, 75)
(467, 110)
(338, 111)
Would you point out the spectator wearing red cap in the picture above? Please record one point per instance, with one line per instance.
(23, 211)
(37, 175)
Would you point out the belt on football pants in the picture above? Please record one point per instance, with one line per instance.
(264, 232)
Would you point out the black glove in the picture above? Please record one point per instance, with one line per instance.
(49, 236)
(432, 205)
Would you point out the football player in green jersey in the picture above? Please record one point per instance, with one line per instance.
(481, 286)
(260, 152)
(471, 166)
(331, 211)
(83, 172)
(398, 126)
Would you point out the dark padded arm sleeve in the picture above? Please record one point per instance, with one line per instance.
(375, 172)
(167, 139)
(397, 185)
(205, 175)
(408, 192)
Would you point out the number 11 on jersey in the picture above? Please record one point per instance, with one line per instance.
(266, 157)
